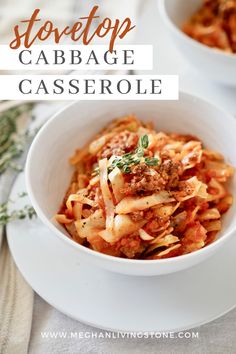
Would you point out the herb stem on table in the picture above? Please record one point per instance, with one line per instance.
(12, 145)
(6, 216)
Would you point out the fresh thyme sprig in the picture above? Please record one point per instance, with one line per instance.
(11, 144)
(125, 162)
(6, 216)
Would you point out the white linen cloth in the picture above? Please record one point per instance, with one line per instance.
(16, 304)
(16, 296)
(217, 337)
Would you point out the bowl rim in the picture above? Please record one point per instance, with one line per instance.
(125, 261)
(175, 29)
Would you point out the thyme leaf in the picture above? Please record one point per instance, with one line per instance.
(126, 161)
(144, 142)
(11, 144)
(151, 161)
(6, 216)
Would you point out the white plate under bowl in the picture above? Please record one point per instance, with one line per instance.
(116, 302)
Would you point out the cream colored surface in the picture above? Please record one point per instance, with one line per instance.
(16, 296)
(16, 306)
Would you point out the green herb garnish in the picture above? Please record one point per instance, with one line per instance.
(144, 142)
(6, 216)
(125, 162)
(11, 144)
(151, 161)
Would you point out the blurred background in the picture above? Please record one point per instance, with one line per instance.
(150, 29)
(63, 12)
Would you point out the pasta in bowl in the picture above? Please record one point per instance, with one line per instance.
(214, 24)
(182, 127)
(204, 32)
(143, 194)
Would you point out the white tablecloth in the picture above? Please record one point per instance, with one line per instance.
(217, 337)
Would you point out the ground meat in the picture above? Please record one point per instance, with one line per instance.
(120, 144)
(142, 215)
(144, 179)
(149, 214)
(148, 180)
(137, 215)
(156, 224)
(130, 246)
(170, 172)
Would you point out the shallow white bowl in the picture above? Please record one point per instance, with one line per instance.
(212, 63)
(48, 172)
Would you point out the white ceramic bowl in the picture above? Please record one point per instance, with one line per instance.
(48, 172)
(212, 63)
